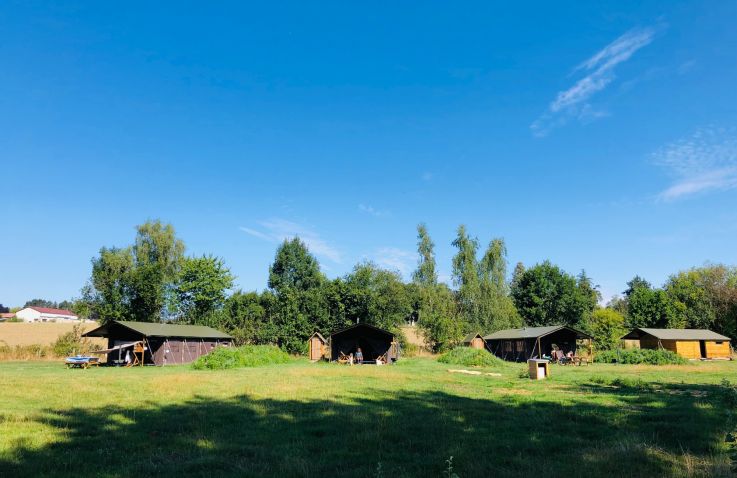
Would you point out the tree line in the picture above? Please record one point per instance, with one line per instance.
(153, 280)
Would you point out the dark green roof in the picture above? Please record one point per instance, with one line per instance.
(469, 338)
(153, 329)
(676, 334)
(531, 333)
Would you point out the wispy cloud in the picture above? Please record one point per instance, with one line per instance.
(372, 211)
(705, 161)
(276, 230)
(395, 259)
(598, 74)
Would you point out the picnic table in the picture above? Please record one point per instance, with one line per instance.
(81, 361)
(580, 360)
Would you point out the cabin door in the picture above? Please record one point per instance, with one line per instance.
(315, 349)
(702, 347)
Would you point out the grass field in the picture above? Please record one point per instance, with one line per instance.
(303, 419)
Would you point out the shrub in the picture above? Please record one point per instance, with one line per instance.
(244, 356)
(410, 350)
(72, 343)
(640, 356)
(470, 357)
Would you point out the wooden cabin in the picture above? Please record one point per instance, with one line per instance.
(157, 344)
(318, 347)
(693, 344)
(520, 345)
(373, 341)
(475, 341)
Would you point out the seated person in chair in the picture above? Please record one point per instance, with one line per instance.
(359, 356)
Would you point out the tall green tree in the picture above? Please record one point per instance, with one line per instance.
(438, 317)
(425, 274)
(109, 291)
(297, 307)
(546, 295)
(495, 306)
(606, 326)
(294, 268)
(466, 276)
(244, 317)
(707, 296)
(201, 288)
(648, 307)
(157, 255)
(377, 296)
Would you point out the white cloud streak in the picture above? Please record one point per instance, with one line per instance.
(372, 211)
(704, 162)
(599, 73)
(277, 230)
(395, 259)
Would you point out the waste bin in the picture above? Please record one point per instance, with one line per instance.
(539, 368)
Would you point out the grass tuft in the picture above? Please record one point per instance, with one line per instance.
(245, 356)
(470, 357)
(640, 356)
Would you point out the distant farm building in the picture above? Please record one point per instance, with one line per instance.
(689, 343)
(519, 345)
(158, 344)
(46, 314)
(373, 342)
(317, 347)
(6, 316)
(475, 341)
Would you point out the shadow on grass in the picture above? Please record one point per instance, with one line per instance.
(602, 430)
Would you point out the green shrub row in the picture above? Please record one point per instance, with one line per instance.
(640, 356)
(244, 356)
(470, 357)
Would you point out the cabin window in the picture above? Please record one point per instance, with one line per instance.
(520, 344)
(719, 342)
(507, 346)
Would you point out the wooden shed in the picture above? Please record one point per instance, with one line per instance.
(157, 344)
(519, 345)
(318, 347)
(689, 343)
(475, 341)
(373, 341)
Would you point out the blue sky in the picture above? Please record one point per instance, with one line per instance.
(601, 137)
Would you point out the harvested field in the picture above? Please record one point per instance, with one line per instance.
(19, 333)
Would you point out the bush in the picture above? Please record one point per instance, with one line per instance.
(470, 357)
(640, 356)
(72, 343)
(245, 356)
(410, 350)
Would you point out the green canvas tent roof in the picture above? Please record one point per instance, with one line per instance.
(675, 334)
(152, 329)
(532, 333)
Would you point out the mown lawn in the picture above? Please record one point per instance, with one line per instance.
(304, 419)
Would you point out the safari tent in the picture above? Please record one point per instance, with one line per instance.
(157, 344)
(519, 345)
(373, 341)
(475, 341)
(689, 343)
(317, 346)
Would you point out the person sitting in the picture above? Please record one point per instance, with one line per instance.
(359, 356)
